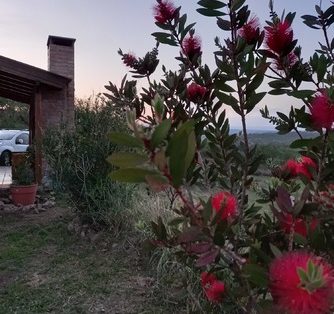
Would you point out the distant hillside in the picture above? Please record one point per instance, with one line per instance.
(272, 138)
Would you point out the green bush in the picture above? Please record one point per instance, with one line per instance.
(13, 115)
(77, 162)
(277, 152)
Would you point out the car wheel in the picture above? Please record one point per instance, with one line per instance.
(5, 158)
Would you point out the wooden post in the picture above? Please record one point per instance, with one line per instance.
(37, 134)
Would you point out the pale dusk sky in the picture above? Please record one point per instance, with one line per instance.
(101, 27)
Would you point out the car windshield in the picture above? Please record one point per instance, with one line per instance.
(7, 135)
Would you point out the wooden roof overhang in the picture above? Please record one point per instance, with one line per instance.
(19, 81)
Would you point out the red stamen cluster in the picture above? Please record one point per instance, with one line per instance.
(196, 92)
(287, 222)
(250, 31)
(279, 37)
(287, 288)
(164, 11)
(191, 46)
(225, 204)
(212, 287)
(302, 167)
(322, 111)
(129, 60)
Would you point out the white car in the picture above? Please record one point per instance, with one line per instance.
(12, 141)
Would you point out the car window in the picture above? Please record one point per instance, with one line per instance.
(5, 135)
(22, 139)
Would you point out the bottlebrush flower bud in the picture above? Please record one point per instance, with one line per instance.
(164, 11)
(196, 92)
(322, 112)
(225, 204)
(250, 31)
(212, 287)
(191, 46)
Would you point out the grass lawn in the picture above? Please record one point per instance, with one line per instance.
(44, 268)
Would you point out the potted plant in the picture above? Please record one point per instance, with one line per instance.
(24, 187)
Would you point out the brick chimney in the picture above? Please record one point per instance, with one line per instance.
(61, 56)
(61, 61)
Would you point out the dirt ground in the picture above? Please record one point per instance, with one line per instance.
(49, 265)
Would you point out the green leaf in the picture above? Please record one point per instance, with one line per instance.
(222, 86)
(227, 99)
(131, 175)
(255, 83)
(160, 132)
(164, 38)
(209, 12)
(126, 160)
(256, 274)
(186, 30)
(157, 182)
(182, 22)
(181, 150)
(190, 150)
(211, 4)
(125, 139)
(278, 91)
(236, 4)
(279, 84)
(322, 68)
(302, 143)
(253, 100)
(301, 94)
(276, 251)
(283, 117)
(223, 24)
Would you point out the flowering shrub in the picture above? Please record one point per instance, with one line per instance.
(249, 256)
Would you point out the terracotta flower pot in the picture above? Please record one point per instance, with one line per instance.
(23, 194)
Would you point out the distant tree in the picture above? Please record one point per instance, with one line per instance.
(13, 114)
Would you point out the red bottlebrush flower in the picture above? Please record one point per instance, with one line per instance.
(213, 288)
(164, 11)
(293, 294)
(279, 37)
(225, 204)
(302, 167)
(300, 226)
(191, 46)
(195, 92)
(322, 112)
(291, 167)
(250, 31)
(129, 60)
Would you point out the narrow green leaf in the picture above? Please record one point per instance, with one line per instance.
(302, 143)
(126, 160)
(211, 4)
(181, 152)
(276, 251)
(223, 24)
(157, 182)
(125, 139)
(209, 12)
(301, 94)
(237, 4)
(253, 100)
(131, 175)
(160, 132)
